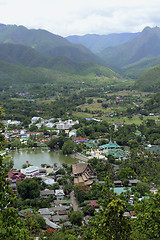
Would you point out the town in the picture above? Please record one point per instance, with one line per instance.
(67, 195)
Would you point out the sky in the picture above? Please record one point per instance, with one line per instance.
(80, 17)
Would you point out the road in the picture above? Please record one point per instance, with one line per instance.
(74, 201)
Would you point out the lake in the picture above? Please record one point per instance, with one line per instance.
(39, 156)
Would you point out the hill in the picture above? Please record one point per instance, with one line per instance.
(45, 42)
(23, 55)
(144, 46)
(97, 43)
(150, 81)
(29, 57)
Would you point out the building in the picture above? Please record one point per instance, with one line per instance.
(73, 133)
(15, 176)
(59, 194)
(65, 125)
(82, 174)
(112, 148)
(31, 171)
(47, 193)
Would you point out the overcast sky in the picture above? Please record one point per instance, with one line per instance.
(70, 17)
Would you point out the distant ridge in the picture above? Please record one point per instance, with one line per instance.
(47, 43)
(145, 46)
(97, 43)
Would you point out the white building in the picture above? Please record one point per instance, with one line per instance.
(31, 171)
(59, 194)
(66, 124)
(73, 133)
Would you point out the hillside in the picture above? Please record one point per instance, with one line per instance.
(23, 55)
(29, 57)
(145, 45)
(97, 43)
(45, 42)
(62, 72)
(150, 81)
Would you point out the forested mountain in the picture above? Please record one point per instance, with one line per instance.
(145, 47)
(63, 71)
(23, 55)
(47, 43)
(29, 57)
(97, 43)
(150, 81)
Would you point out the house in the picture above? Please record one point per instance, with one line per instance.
(154, 190)
(45, 212)
(118, 183)
(80, 140)
(59, 193)
(73, 133)
(82, 174)
(133, 182)
(65, 125)
(47, 193)
(15, 176)
(51, 224)
(93, 203)
(58, 218)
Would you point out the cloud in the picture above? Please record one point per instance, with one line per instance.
(81, 17)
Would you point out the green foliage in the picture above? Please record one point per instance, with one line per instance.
(150, 81)
(88, 210)
(76, 218)
(69, 147)
(110, 223)
(142, 188)
(11, 225)
(28, 188)
(126, 173)
(146, 225)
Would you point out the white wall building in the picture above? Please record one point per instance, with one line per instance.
(66, 124)
(31, 171)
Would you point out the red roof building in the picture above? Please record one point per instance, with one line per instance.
(15, 176)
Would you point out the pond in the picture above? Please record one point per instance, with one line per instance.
(40, 156)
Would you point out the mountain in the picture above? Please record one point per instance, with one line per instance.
(97, 43)
(26, 56)
(47, 43)
(150, 81)
(23, 55)
(144, 46)
(20, 64)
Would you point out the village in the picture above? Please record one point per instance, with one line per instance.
(69, 188)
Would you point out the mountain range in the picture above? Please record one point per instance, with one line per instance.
(130, 54)
(47, 43)
(97, 43)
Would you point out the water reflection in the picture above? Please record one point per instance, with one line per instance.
(38, 157)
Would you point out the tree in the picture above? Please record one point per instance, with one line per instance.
(11, 225)
(28, 188)
(68, 147)
(126, 173)
(146, 225)
(88, 210)
(110, 223)
(76, 218)
(143, 188)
